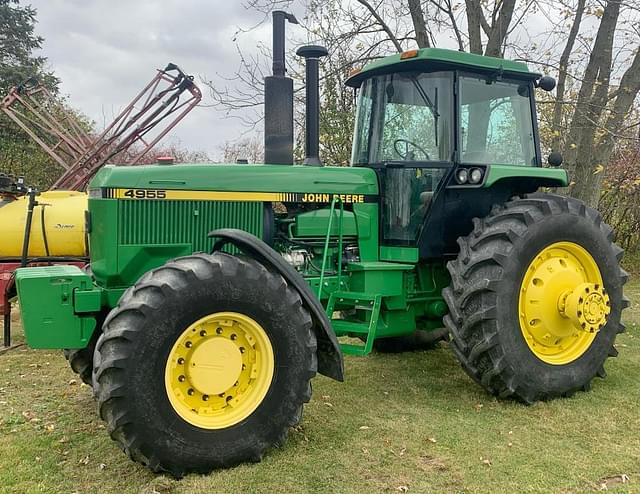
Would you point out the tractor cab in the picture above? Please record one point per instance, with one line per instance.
(433, 120)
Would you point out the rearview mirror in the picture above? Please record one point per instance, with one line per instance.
(546, 82)
(554, 159)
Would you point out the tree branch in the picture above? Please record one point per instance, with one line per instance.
(383, 24)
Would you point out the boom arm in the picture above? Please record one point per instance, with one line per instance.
(127, 138)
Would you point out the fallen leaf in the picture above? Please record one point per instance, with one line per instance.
(607, 482)
(433, 463)
(399, 453)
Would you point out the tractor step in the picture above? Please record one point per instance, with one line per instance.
(359, 350)
(344, 301)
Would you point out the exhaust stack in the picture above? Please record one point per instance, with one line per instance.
(278, 100)
(312, 55)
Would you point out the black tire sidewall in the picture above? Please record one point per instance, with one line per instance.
(556, 228)
(173, 438)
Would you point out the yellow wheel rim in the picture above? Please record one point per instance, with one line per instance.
(563, 303)
(219, 370)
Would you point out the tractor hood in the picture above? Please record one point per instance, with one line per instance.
(113, 181)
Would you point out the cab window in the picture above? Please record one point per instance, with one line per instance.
(404, 116)
(496, 123)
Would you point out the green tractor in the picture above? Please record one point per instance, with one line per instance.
(217, 292)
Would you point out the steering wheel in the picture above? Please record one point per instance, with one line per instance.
(408, 143)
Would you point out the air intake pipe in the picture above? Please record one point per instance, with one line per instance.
(278, 100)
(312, 55)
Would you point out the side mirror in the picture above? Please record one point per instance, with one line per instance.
(546, 82)
(554, 159)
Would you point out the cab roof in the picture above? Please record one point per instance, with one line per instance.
(431, 59)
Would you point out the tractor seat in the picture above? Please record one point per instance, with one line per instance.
(425, 199)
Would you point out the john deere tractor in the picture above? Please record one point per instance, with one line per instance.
(217, 292)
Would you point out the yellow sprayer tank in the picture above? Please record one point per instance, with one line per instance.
(64, 225)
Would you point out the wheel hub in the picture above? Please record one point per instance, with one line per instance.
(562, 303)
(588, 307)
(219, 370)
(215, 365)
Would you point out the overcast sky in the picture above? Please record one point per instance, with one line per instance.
(105, 51)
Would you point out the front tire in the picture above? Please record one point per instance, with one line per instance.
(205, 363)
(81, 360)
(520, 317)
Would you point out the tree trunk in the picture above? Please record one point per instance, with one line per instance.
(588, 188)
(498, 34)
(419, 25)
(474, 14)
(582, 124)
(558, 106)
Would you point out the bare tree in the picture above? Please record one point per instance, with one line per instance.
(594, 61)
(562, 75)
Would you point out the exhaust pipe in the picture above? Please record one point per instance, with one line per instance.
(312, 55)
(278, 100)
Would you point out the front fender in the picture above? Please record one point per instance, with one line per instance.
(330, 361)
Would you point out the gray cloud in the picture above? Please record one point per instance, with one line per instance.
(105, 51)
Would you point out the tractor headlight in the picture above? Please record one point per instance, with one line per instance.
(462, 175)
(475, 176)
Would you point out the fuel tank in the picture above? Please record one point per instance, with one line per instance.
(63, 213)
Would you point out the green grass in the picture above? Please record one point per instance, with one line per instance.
(412, 421)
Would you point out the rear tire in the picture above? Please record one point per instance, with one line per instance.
(487, 278)
(135, 358)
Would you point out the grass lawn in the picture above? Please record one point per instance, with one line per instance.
(400, 423)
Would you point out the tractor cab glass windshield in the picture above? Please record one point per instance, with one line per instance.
(496, 122)
(404, 116)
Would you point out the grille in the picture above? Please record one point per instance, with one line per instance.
(185, 222)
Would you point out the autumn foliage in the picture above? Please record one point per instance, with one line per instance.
(620, 196)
